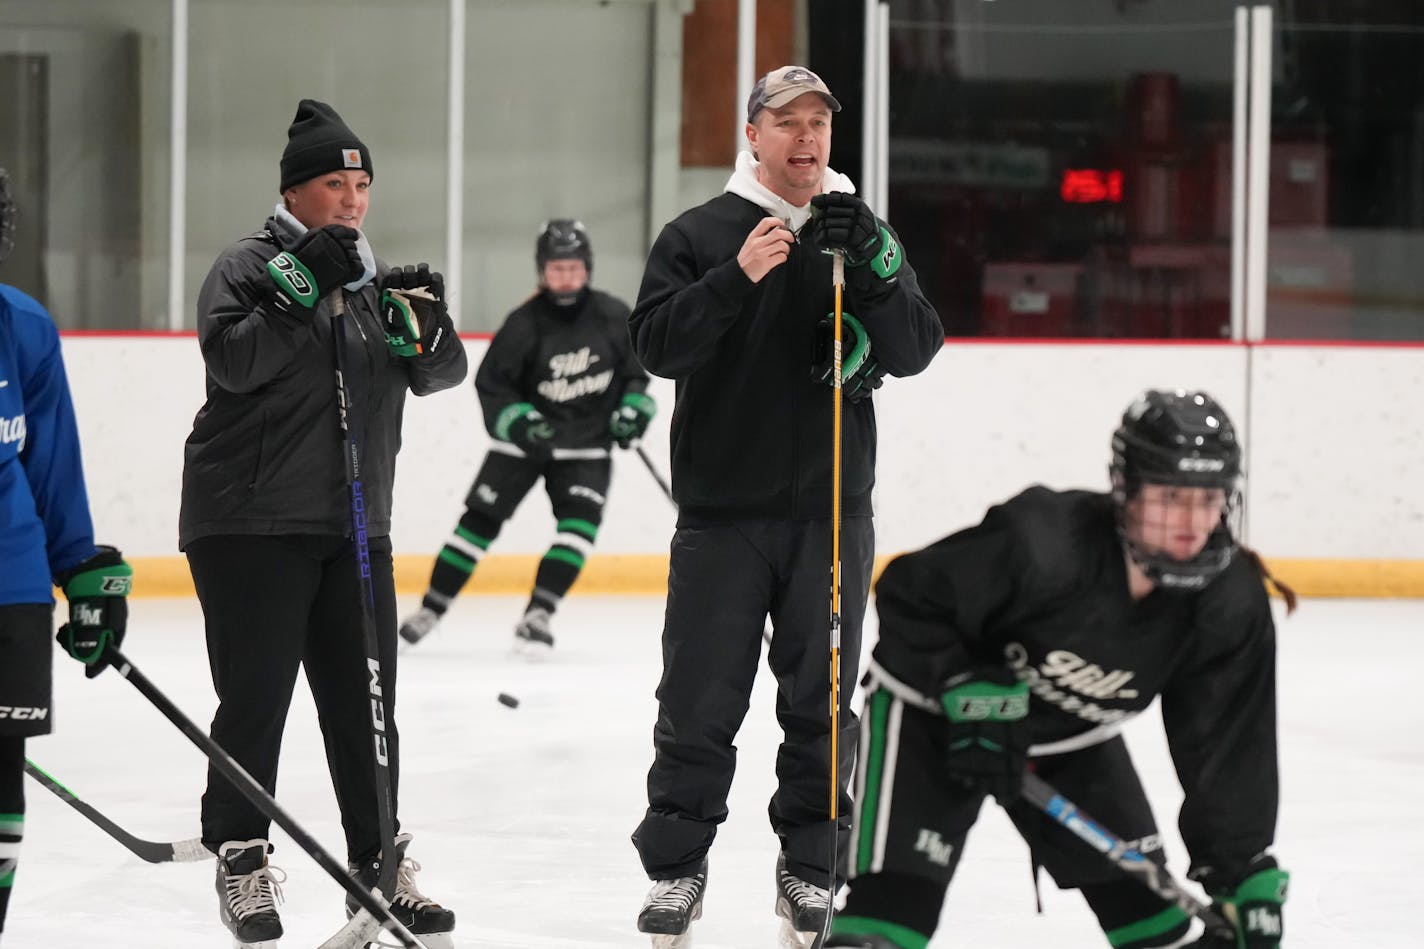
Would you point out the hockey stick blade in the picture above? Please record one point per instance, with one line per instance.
(153, 851)
(1117, 851)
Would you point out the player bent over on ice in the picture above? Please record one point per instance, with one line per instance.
(1029, 639)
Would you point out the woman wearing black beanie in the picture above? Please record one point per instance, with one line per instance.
(267, 512)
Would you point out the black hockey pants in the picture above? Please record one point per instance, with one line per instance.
(273, 605)
(723, 583)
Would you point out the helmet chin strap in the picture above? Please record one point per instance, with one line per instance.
(566, 299)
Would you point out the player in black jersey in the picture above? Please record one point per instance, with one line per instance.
(558, 386)
(1028, 640)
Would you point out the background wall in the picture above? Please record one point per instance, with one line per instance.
(1334, 453)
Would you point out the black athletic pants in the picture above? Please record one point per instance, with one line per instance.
(26, 660)
(271, 606)
(723, 583)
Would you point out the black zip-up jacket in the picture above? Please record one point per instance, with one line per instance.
(1041, 585)
(573, 363)
(265, 455)
(751, 430)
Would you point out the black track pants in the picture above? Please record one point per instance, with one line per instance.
(273, 605)
(723, 582)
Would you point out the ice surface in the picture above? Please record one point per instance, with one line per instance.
(521, 817)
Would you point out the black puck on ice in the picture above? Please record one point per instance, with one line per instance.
(506, 699)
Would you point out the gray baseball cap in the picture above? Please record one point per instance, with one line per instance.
(782, 85)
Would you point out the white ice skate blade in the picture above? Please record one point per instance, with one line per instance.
(428, 940)
(788, 938)
(264, 944)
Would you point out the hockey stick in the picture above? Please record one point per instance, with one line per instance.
(1043, 796)
(838, 280)
(654, 472)
(264, 802)
(177, 851)
(385, 807)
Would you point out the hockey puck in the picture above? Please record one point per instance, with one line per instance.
(506, 699)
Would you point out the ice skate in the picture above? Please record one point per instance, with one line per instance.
(671, 908)
(249, 890)
(531, 636)
(420, 914)
(419, 624)
(802, 907)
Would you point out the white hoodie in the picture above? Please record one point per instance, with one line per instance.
(744, 184)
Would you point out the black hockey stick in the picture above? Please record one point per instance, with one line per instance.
(654, 472)
(385, 806)
(260, 799)
(153, 851)
(1043, 796)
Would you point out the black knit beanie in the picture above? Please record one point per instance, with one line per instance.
(318, 141)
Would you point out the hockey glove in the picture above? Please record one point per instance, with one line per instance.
(861, 373)
(1253, 904)
(841, 221)
(98, 608)
(319, 261)
(630, 420)
(988, 741)
(525, 426)
(413, 311)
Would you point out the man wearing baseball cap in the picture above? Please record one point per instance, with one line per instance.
(735, 306)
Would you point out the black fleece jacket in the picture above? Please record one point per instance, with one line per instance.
(751, 430)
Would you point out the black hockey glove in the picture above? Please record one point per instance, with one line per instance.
(1253, 902)
(413, 311)
(861, 372)
(321, 259)
(841, 221)
(525, 426)
(98, 609)
(630, 420)
(988, 741)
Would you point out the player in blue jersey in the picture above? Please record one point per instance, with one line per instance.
(46, 540)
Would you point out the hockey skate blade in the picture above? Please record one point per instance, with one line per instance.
(789, 938)
(680, 941)
(263, 944)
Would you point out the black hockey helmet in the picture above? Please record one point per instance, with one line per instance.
(7, 216)
(562, 239)
(1185, 439)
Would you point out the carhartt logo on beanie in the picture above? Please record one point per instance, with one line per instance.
(318, 141)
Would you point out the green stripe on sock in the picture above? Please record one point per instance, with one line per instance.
(902, 936)
(457, 560)
(1165, 921)
(576, 525)
(7, 880)
(565, 556)
(481, 542)
(874, 763)
(12, 825)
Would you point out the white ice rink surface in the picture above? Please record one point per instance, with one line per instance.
(521, 817)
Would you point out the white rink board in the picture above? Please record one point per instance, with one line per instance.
(1335, 441)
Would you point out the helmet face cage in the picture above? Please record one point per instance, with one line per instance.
(1181, 439)
(562, 239)
(7, 216)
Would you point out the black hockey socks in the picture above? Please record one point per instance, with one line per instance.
(457, 560)
(562, 562)
(901, 908)
(1133, 917)
(12, 814)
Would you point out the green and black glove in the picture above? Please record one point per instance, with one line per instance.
(630, 420)
(1253, 902)
(413, 311)
(525, 426)
(987, 746)
(841, 221)
(861, 372)
(318, 262)
(97, 591)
